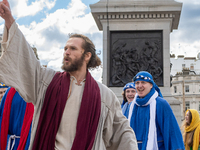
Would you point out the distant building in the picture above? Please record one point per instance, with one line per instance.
(185, 83)
(193, 63)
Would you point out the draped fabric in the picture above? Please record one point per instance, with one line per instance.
(53, 107)
(7, 116)
(168, 132)
(125, 109)
(28, 117)
(150, 139)
(194, 125)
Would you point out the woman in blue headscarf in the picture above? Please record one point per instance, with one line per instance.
(152, 118)
(128, 96)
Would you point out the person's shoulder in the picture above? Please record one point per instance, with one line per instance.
(104, 89)
(162, 102)
(48, 74)
(107, 95)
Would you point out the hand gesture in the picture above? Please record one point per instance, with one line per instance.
(5, 13)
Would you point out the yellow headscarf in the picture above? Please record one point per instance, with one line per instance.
(195, 124)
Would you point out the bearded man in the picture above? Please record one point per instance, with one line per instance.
(71, 109)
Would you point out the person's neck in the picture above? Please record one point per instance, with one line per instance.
(80, 75)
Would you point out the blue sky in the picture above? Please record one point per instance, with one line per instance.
(47, 23)
(60, 4)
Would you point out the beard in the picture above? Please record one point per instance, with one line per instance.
(75, 64)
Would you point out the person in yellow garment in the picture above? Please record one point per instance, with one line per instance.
(191, 127)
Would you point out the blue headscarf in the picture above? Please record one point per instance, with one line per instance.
(2, 85)
(128, 86)
(125, 105)
(146, 76)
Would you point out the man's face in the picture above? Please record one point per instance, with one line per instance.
(73, 56)
(2, 92)
(143, 88)
(130, 94)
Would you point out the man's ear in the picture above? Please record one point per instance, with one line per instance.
(88, 55)
(151, 85)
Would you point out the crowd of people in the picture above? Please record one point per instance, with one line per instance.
(152, 118)
(50, 110)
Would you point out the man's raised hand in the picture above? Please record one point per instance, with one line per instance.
(6, 3)
(4, 8)
(5, 13)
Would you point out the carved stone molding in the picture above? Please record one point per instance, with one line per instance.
(136, 16)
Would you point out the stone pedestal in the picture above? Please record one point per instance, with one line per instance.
(131, 15)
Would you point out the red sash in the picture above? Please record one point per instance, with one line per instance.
(28, 116)
(53, 107)
(6, 117)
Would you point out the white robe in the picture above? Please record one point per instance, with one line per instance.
(21, 70)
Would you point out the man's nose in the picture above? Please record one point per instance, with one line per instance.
(67, 51)
(139, 84)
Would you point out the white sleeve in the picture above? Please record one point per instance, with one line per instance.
(19, 67)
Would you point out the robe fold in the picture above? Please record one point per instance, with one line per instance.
(15, 121)
(169, 136)
(55, 100)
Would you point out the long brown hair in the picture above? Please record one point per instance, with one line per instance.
(124, 97)
(188, 136)
(88, 46)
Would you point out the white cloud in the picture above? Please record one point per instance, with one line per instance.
(189, 1)
(1, 28)
(77, 7)
(186, 41)
(50, 35)
(186, 49)
(50, 4)
(22, 9)
(1, 20)
(97, 74)
(53, 58)
(60, 23)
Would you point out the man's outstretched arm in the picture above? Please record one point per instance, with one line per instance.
(6, 14)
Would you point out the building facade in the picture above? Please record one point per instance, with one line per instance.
(185, 83)
(177, 64)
